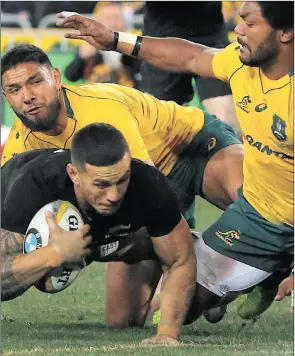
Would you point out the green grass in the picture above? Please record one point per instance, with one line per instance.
(73, 323)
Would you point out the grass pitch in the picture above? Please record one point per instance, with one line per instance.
(73, 323)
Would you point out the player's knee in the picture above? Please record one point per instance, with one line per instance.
(234, 160)
(202, 300)
(224, 175)
(117, 321)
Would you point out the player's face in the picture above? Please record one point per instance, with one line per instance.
(33, 91)
(259, 42)
(104, 188)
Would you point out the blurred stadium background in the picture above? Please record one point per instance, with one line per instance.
(34, 22)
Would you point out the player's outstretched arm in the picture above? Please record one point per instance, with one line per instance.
(171, 54)
(19, 272)
(176, 252)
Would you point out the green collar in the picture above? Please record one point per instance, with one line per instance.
(70, 112)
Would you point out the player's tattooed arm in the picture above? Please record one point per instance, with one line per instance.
(20, 271)
(11, 248)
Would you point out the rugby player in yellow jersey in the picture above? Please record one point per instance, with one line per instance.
(198, 153)
(258, 228)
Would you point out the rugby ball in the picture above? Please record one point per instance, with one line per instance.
(37, 236)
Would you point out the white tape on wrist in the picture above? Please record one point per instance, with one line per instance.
(126, 42)
(68, 13)
(127, 38)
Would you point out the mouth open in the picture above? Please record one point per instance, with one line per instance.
(242, 45)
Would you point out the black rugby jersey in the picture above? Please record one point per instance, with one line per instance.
(32, 179)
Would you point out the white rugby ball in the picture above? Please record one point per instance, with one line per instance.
(37, 236)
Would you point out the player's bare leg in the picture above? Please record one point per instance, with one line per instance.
(156, 301)
(203, 300)
(223, 107)
(129, 290)
(224, 175)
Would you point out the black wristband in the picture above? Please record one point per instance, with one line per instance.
(137, 46)
(116, 40)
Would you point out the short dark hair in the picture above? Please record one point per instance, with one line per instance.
(99, 145)
(279, 14)
(23, 53)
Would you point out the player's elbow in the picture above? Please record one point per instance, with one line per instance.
(8, 294)
(191, 263)
(191, 65)
(201, 62)
(187, 264)
(10, 288)
(186, 269)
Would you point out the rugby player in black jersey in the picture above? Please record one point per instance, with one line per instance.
(132, 213)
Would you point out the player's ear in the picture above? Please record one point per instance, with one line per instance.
(57, 77)
(73, 173)
(287, 35)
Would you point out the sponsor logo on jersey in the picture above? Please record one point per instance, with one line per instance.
(107, 249)
(243, 104)
(264, 148)
(33, 241)
(260, 107)
(119, 230)
(212, 143)
(229, 236)
(279, 128)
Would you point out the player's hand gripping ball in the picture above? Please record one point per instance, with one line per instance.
(37, 236)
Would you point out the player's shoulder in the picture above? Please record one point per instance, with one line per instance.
(232, 50)
(98, 92)
(52, 161)
(227, 61)
(148, 179)
(18, 129)
(139, 168)
(34, 159)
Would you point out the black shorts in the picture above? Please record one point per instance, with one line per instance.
(178, 87)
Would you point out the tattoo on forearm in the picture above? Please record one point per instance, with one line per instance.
(11, 246)
(11, 242)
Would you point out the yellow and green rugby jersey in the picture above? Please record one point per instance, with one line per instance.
(265, 111)
(153, 128)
